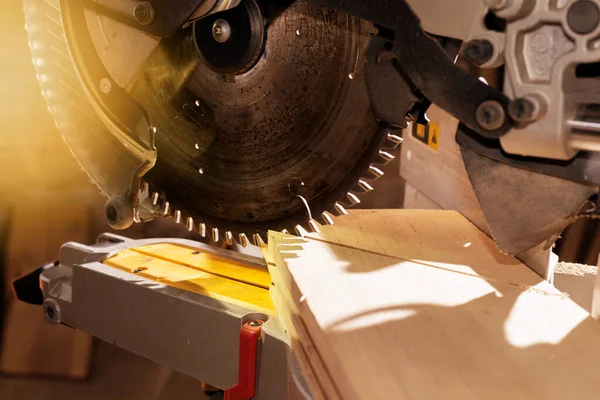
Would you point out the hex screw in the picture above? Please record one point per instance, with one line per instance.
(111, 214)
(525, 109)
(478, 52)
(50, 312)
(490, 115)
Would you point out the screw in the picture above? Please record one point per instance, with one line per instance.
(143, 13)
(478, 51)
(105, 85)
(525, 109)
(255, 323)
(111, 214)
(385, 55)
(490, 115)
(221, 31)
(50, 312)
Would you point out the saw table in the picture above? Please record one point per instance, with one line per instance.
(385, 304)
(204, 311)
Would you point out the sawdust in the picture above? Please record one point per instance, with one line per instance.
(567, 268)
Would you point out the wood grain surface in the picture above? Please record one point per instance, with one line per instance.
(413, 304)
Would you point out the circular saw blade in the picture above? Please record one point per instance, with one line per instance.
(231, 149)
(283, 140)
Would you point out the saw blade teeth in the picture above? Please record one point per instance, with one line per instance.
(352, 198)
(229, 238)
(202, 229)
(178, 216)
(395, 139)
(340, 209)
(215, 234)
(257, 240)
(300, 231)
(189, 224)
(376, 172)
(136, 216)
(313, 226)
(327, 218)
(386, 157)
(243, 240)
(365, 186)
(145, 187)
(155, 198)
(166, 208)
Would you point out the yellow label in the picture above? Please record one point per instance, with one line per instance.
(420, 131)
(428, 135)
(434, 135)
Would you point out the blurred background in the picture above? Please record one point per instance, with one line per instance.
(46, 200)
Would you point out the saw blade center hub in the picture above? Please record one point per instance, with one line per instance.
(231, 42)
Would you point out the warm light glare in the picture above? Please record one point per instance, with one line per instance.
(528, 321)
(33, 155)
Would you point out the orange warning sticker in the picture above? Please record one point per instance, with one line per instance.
(428, 135)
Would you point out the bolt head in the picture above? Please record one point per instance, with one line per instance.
(143, 13)
(50, 312)
(105, 86)
(111, 214)
(478, 51)
(490, 115)
(522, 110)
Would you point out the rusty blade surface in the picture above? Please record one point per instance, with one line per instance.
(232, 149)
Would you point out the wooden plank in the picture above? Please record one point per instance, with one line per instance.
(30, 346)
(437, 179)
(440, 175)
(314, 371)
(410, 304)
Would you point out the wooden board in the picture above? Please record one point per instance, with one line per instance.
(30, 346)
(436, 178)
(413, 304)
(440, 175)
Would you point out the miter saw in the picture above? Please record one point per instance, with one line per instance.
(236, 117)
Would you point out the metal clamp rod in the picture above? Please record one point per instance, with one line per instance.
(584, 126)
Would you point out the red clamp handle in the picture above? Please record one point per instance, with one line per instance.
(245, 389)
